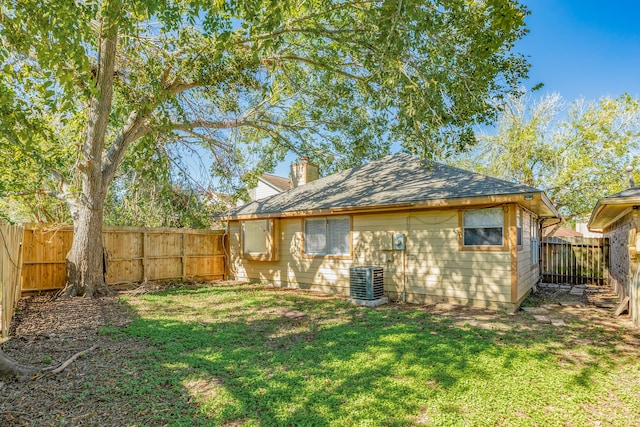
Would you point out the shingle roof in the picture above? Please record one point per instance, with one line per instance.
(278, 182)
(392, 180)
(611, 207)
(629, 192)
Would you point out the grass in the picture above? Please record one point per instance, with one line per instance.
(229, 355)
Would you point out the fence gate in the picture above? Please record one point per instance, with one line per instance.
(574, 260)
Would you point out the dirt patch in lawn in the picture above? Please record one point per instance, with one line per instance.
(46, 332)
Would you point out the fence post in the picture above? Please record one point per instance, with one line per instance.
(184, 259)
(144, 256)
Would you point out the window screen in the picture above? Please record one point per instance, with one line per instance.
(255, 236)
(338, 236)
(483, 227)
(519, 227)
(534, 242)
(315, 236)
(327, 236)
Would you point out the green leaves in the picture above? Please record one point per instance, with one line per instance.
(577, 154)
(339, 81)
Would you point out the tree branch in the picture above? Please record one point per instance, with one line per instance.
(314, 63)
(134, 128)
(206, 124)
(176, 87)
(31, 193)
(283, 28)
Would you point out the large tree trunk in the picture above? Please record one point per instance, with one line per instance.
(85, 260)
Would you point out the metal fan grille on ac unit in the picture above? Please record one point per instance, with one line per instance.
(366, 283)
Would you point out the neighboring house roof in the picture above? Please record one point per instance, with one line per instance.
(223, 198)
(562, 232)
(277, 182)
(394, 182)
(610, 208)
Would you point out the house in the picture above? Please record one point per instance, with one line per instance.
(268, 185)
(469, 239)
(617, 217)
(582, 228)
(216, 198)
(561, 232)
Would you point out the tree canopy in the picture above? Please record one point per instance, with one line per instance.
(333, 80)
(92, 90)
(577, 153)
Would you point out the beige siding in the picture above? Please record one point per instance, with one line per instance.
(528, 274)
(433, 269)
(291, 269)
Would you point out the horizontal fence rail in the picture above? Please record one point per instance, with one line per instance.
(574, 260)
(10, 268)
(132, 254)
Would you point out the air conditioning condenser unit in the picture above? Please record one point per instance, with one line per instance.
(366, 283)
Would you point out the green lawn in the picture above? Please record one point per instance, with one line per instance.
(229, 355)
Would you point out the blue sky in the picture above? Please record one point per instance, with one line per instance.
(585, 48)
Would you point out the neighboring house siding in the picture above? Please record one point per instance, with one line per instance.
(262, 190)
(620, 272)
(436, 269)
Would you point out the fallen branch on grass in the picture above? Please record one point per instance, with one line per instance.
(69, 361)
(9, 368)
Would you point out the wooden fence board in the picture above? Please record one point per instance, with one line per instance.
(133, 255)
(574, 260)
(131, 269)
(125, 245)
(163, 244)
(11, 238)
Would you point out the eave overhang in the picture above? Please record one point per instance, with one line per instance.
(608, 210)
(536, 202)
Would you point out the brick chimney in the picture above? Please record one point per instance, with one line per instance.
(303, 172)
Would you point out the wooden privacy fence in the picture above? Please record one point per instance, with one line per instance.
(10, 268)
(574, 260)
(132, 255)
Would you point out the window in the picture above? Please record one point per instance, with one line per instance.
(519, 227)
(258, 240)
(483, 227)
(327, 236)
(534, 242)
